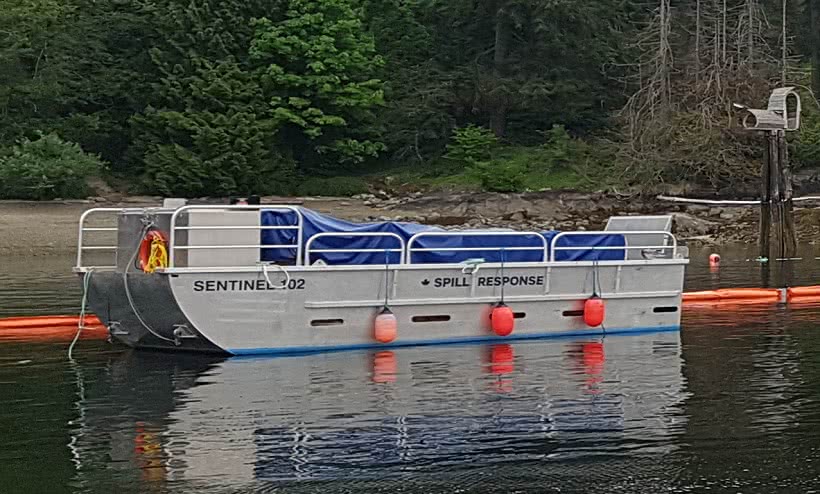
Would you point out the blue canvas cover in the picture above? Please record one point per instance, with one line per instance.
(584, 242)
(486, 246)
(314, 223)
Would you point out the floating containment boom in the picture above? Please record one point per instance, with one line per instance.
(50, 328)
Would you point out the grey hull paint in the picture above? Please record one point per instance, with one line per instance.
(154, 301)
(332, 308)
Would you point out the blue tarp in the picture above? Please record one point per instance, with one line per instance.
(584, 242)
(486, 246)
(314, 223)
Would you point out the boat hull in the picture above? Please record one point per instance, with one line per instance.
(311, 308)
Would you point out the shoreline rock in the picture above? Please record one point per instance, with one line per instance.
(48, 227)
(569, 211)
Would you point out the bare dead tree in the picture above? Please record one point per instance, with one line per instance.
(652, 73)
(677, 121)
(784, 45)
(697, 39)
(665, 54)
(814, 26)
(725, 13)
(750, 33)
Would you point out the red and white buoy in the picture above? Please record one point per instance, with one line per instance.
(385, 327)
(502, 320)
(594, 311)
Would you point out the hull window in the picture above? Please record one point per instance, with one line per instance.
(326, 322)
(573, 313)
(442, 318)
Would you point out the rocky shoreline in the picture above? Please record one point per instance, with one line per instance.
(48, 227)
(541, 211)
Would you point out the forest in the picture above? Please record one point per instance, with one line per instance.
(223, 97)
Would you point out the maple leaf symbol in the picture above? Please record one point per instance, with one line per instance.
(425, 282)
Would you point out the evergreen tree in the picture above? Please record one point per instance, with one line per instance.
(208, 130)
(217, 97)
(74, 67)
(316, 69)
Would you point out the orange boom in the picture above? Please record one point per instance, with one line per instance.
(733, 295)
(50, 328)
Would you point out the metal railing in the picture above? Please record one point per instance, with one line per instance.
(304, 253)
(172, 247)
(309, 250)
(667, 236)
(416, 237)
(81, 247)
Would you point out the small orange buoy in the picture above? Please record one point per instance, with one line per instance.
(503, 320)
(594, 311)
(386, 327)
(714, 259)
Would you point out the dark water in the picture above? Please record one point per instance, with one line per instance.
(730, 404)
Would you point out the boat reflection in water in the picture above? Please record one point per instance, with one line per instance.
(384, 414)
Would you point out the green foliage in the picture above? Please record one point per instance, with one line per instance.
(207, 131)
(251, 92)
(558, 151)
(805, 149)
(499, 176)
(218, 144)
(227, 155)
(332, 187)
(317, 71)
(517, 168)
(417, 119)
(222, 97)
(72, 67)
(560, 163)
(806, 152)
(46, 168)
(471, 145)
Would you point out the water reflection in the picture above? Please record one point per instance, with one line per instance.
(381, 415)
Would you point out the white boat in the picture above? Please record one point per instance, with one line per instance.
(278, 279)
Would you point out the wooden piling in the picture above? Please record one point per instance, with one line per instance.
(776, 205)
(765, 199)
(781, 114)
(788, 233)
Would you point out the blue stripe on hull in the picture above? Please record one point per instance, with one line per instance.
(297, 350)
